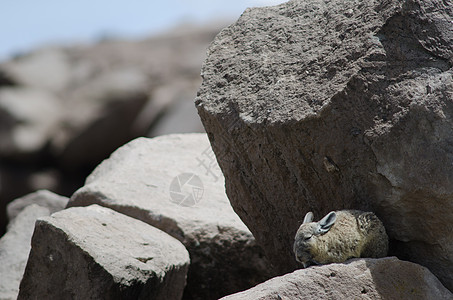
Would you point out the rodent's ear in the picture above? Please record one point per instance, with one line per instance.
(308, 217)
(327, 222)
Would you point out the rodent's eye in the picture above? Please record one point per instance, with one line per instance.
(306, 238)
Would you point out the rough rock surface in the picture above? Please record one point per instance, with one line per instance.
(174, 183)
(386, 278)
(65, 109)
(96, 253)
(15, 248)
(43, 198)
(324, 105)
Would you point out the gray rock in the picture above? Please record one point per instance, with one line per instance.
(173, 183)
(96, 253)
(42, 198)
(386, 278)
(15, 248)
(325, 105)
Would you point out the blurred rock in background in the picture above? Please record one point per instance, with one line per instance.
(65, 109)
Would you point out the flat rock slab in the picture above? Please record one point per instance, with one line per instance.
(42, 198)
(174, 183)
(96, 253)
(15, 248)
(386, 278)
(325, 105)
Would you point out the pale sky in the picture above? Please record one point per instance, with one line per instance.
(27, 24)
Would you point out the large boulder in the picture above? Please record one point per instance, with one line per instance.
(15, 248)
(387, 278)
(324, 105)
(173, 183)
(96, 253)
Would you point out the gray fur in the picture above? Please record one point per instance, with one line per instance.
(339, 236)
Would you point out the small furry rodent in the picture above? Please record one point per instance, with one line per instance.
(338, 236)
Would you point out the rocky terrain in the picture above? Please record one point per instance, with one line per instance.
(64, 110)
(129, 231)
(149, 179)
(307, 106)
